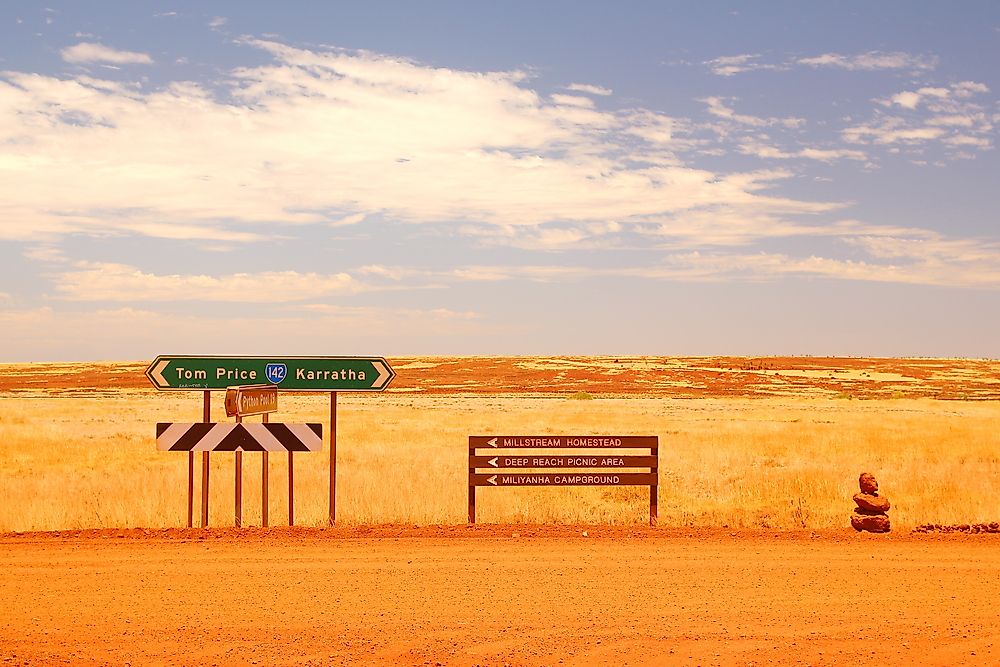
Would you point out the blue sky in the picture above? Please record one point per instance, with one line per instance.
(498, 178)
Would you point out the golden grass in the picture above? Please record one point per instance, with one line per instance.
(90, 461)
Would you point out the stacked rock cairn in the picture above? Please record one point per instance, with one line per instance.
(870, 513)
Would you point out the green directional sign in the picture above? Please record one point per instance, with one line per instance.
(181, 373)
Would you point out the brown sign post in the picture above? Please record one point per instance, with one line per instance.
(311, 374)
(247, 400)
(545, 460)
(241, 401)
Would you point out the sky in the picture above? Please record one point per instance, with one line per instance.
(537, 178)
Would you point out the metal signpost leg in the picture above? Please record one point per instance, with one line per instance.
(333, 457)
(239, 484)
(652, 504)
(190, 517)
(654, 488)
(472, 504)
(291, 491)
(206, 417)
(263, 485)
(472, 486)
(239, 489)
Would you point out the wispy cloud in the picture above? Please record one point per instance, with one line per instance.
(717, 107)
(921, 260)
(347, 220)
(92, 52)
(119, 282)
(589, 89)
(46, 254)
(722, 246)
(868, 61)
(828, 155)
(746, 62)
(443, 146)
(872, 60)
(948, 115)
(573, 101)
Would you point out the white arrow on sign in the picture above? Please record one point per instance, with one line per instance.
(492, 480)
(157, 373)
(383, 373)
(492, 443)
(493, 461)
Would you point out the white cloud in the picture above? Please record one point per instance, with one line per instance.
(655, 128)
(831, 154)
(923, 259)
(907, 100)
(955, 120)
(968, 142)
(573, 101)
(589, 89)
(390, 273)
(872, 60)
(746, 62)
(119, 282)
(718, 108)
(891, 132)
(46, 254)
(353, 219)
(970, 88)
(910, 99)
(820, 154)
(892, 255)
(315, 132)
(218, 22)
(91, 52)
(947, 115)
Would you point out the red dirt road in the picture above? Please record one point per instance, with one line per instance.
(481, 596)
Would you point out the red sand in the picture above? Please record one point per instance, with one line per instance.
(481, 596)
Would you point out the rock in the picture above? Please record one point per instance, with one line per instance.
(870, 513)
(868, 483)
(873, 523)
(871, 502)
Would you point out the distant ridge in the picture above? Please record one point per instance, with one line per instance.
(603, 376)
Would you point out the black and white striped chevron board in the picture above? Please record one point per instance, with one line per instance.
(229, 437)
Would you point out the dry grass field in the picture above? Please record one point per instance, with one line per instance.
(762, 443)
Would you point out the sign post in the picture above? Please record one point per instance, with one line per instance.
(239, 484)
(321, 374)
(242, 401)
(579, 460)
(333, 457)
(316, 374)
(206, 418)
(263, 485)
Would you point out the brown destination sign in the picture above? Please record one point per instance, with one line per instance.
(251, 400)
(564, 479)
(565, 460)
(562, 461)
(543, 441)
